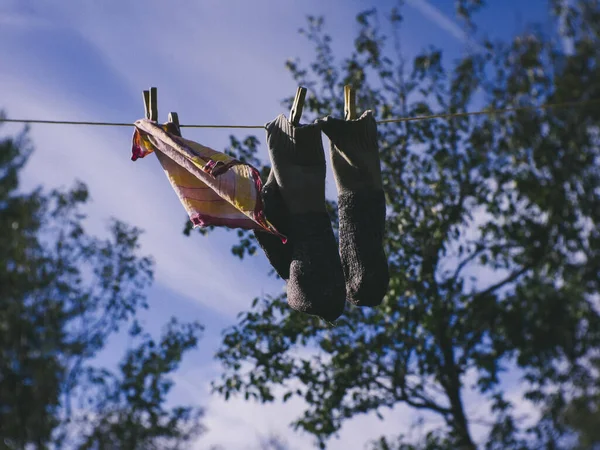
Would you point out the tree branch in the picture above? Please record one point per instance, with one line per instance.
(512, 277)
(425, 402)
(407, 395)
(475, 254)
(467, 260)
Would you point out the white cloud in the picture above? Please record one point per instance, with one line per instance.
(436, 16)
(238, 424)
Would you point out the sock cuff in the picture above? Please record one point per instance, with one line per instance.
(280, 136)
(300, 144)
(354, 152)
(351, 136)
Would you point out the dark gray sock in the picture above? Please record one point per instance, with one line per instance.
(361, 207)
(362, 226)
(315, 282)
(278, 253)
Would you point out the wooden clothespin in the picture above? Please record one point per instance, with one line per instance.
(151, 107)
(174, 119)
(151, 104)
(349, 103)
(298, 105)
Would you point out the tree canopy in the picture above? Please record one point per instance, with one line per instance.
(493, 239)
(63, 294)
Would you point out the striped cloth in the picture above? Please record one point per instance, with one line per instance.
(214, 188)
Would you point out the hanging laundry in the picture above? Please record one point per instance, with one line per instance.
(295, 193)
(361, 206)
(214, 188)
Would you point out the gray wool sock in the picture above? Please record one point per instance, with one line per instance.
(276, 212)
(315, 282)
(361, 207)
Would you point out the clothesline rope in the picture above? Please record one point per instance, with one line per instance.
(384, 121)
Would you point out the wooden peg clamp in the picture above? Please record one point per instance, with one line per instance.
(298, 105)
(151, 104)
(349, 103)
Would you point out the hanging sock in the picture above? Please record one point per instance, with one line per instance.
(214, 188)
(277, 213)
(361, 207)
(295, 195)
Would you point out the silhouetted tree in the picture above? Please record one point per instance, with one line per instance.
(63, 292)
(514, 196)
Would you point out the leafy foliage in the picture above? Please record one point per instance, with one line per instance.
(492, 237)
(129, 410)
(63, 293)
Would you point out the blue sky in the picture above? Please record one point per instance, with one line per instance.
(213, 62)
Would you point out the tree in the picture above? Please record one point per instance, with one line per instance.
(514, 195)
(63, 293)
(582, 412)
(130, 409)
